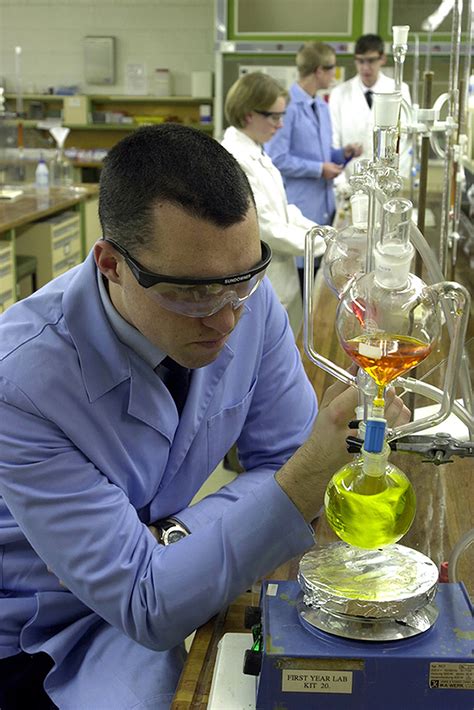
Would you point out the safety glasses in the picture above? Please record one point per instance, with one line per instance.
(274, 116)
(198, 298)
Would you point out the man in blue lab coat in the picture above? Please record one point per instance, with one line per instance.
(123, 384)
(302, 149)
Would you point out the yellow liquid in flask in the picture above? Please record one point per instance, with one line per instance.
(369, 511)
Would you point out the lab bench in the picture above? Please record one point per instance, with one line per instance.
(57, 230)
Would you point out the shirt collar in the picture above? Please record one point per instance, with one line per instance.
(302, 96)
(126, 333)
(253, 148)
(377, 88)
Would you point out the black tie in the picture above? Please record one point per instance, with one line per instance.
(176, 378)
(314, 106)
(368, 97)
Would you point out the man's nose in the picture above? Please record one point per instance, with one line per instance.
(223, 321)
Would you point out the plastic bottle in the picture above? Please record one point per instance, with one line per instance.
(42, 179)
(370, 503)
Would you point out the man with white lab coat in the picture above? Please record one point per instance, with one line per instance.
(351, 102)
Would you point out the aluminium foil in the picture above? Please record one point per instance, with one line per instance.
(390, 582)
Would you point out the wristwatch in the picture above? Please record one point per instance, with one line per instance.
(171, 530)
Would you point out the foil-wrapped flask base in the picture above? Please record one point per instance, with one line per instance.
(370, 595)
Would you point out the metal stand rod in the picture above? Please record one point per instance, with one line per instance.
(448, 177)
(425, 152)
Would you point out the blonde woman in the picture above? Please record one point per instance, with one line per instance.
(255, 108)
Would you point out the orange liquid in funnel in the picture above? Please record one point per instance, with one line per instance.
(385, 356)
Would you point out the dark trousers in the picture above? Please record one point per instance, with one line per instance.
(21, 682)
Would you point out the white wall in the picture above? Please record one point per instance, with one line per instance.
(173, 34)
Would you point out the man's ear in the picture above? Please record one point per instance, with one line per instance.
(108, 260)
(383, 60)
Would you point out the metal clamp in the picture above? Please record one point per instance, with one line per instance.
(437, 449)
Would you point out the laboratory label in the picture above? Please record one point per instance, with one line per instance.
(452, 676)
(317, 681)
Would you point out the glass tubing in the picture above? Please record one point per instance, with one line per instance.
(456, 321)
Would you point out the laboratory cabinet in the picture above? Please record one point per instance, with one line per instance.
(55, 242)
(7, 275)
(100, 120)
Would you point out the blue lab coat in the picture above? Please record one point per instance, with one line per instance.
(299, 150)
(91, 451)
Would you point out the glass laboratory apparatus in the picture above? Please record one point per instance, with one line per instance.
(389, 320)
(346, 250)
(370, 502)
(387, 129)
(367, 586)
(61, 167)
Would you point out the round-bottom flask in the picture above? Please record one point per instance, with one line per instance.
(369, 502)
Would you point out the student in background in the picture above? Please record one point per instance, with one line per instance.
(302, 150)
(256, 109)
(351, 102)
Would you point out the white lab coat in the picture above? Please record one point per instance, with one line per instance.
(353, 120)
(282, 226)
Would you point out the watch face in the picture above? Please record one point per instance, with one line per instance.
(173, 535)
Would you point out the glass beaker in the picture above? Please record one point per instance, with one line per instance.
(62, 170)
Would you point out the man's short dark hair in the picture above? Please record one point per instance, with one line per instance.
(369, 43)
(175, 164)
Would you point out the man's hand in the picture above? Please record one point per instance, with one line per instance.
(396, 412)
(331, 171)
(352, 150)
(305, 476)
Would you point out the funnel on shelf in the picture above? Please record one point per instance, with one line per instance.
(59, 133)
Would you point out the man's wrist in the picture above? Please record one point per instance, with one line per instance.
(170, 530)
(304, 482)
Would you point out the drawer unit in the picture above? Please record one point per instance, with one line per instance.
(7, 275)
(56, 243)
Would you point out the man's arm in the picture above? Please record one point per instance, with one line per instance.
(87, 533)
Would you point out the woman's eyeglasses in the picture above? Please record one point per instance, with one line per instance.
(274, 116)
